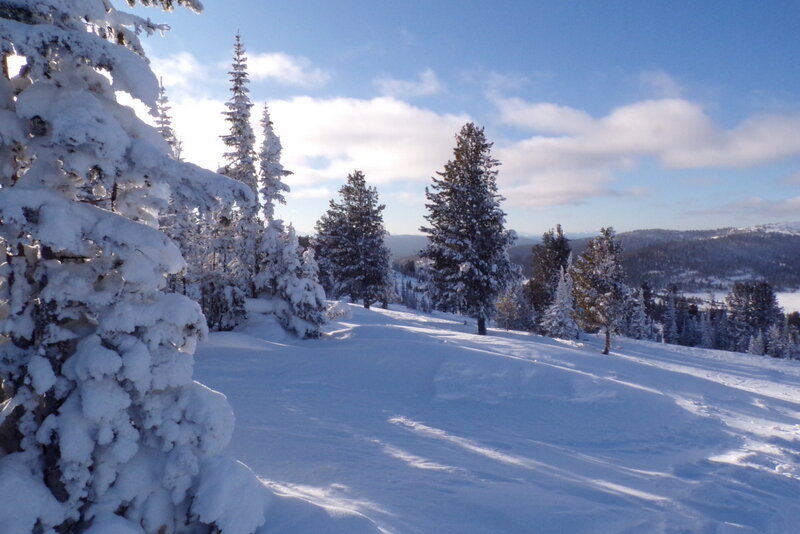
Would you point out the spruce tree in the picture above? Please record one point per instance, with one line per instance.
(549, 257)
(600, 286)
(271, 171)
(558, 320)
(350, 243)
(752, 308)
(467, 240)
(164, 122)
(101, 421)
(239, 229)
(639, 324)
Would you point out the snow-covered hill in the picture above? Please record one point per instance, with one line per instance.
(399, 422)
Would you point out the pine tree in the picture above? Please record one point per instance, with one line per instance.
(513, 310)
(467, 240)
(778, 344)
(599, 286)
(558, 320)
(671, 334)
(756, 344)
(350, 243)
(101, 420)
(164, 122)
(272, 172)
(639, 324)
(707, 334)
(240, 228)
(752, 308)
(549, 257)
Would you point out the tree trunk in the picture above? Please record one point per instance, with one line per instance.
(608, 341)
(481, 326)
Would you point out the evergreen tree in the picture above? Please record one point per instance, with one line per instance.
(671, 334)
(467, 240)
(558, 320)
(513, 310)
(752, 308)
(599, 286)
(549, 258)
(272, 172)
(707, 334)
(350, 243)
(164, 122)
(778, 343)
(289, 280)
(639, 324)
(756, 344)
(239, 229)
(101, 421)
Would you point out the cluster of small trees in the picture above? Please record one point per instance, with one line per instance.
(591, 295)
(749, 319)
(241, 250)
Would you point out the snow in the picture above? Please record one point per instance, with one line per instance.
(400, 422)
(788, 300)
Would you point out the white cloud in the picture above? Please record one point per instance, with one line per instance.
(178, 70)
(660, 84)
(390, 140)
(326, 139)
(543, 116)
(427, 84)
(586, 153)
(285, 69)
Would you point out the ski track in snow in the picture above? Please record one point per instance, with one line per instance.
(400, 422)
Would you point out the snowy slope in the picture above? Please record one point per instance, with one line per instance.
(408, 423)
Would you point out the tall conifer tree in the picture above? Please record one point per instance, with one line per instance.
(600, 286)
(467, 240)
(350, 244)
(238, 230)
(549, 258)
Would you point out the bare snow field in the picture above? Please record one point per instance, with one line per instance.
(790, 302)
(400, 422)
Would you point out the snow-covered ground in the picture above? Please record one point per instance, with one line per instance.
(408, 423)
(788, 300)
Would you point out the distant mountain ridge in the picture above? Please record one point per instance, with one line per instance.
(694, 260)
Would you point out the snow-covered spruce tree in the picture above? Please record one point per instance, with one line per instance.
(558, 320)
(289, 281)
(164, 122)
(101, 425)
(350, 244)
(467, 240)
(549, 257)
(513, 310)
(181, 221)
(240, 228)
(286, 275)
(600, 286)
(639, 325)
(752, 309)
(271, 170)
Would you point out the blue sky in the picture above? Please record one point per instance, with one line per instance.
(627, 113)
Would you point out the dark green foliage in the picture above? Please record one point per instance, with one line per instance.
(549, 257)
(467, 240)
(752, 309)
(600, 291)
(352, 257)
